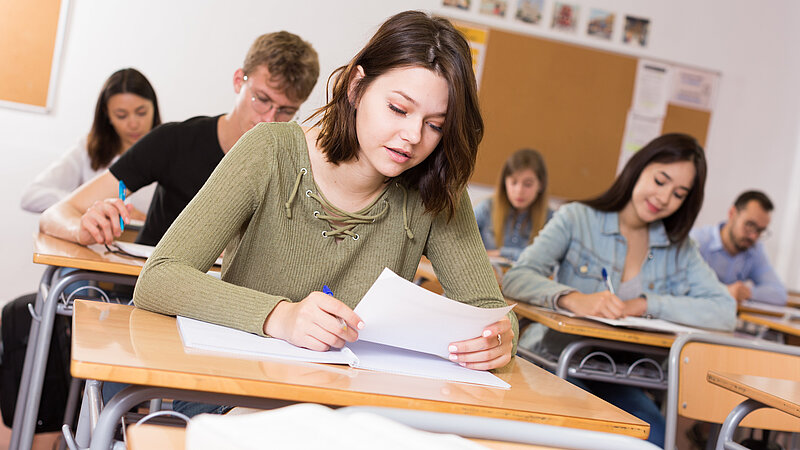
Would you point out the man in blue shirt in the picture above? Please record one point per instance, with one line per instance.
(732, 249)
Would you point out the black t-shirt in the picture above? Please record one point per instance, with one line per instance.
(180, 156)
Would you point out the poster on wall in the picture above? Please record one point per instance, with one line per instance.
(530, 11)
(565, 17)
(494, 7)
(460, 4)
(477, 38)
(694, 88)
(636, 31)
(651, 88)
(601, 24)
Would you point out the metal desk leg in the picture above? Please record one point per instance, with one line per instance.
(33, 333)
(725, 440)
(27, 426)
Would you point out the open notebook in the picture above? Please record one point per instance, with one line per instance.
(390, 308)
(640, 323)
(143, 251)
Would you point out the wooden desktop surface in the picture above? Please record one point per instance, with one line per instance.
(123, 344)
(58, 252)
(791, 327)
(590, 328)
(147, 437)
(780, 394)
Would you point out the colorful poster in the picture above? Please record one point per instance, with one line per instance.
(565, 17)
(494, 7)
(530, 11)
(460, 4)
(636, 31)
(477, 37)
(601, 23)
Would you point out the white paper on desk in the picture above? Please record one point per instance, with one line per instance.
(786, 311)
(144, 251)
(217, 338)
(399, 313)
(648, 324)
(206, 336)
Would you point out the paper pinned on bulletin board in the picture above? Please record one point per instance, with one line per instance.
(694, 88)
(652, 88)
(639, 130)
(478, 39)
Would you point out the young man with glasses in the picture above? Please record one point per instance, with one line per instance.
(732, 249)
(277, 76)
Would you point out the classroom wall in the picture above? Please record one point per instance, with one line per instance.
(189, 51)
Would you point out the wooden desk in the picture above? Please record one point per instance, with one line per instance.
(591, 328)
(146, 437)
(779, 394)
(790, 327)
(123, 344)
(58, 252)
(761, 392)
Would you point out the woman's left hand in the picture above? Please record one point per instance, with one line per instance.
(489, 351)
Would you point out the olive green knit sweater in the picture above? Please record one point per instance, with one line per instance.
(263, 205)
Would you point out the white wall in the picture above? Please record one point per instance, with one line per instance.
(189, 50)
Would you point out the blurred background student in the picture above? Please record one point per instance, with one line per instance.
(126, 110)
(513, 216)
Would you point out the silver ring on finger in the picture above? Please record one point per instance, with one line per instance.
(499, 340)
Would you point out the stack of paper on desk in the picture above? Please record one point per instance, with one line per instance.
(640, 323)
(408, 330)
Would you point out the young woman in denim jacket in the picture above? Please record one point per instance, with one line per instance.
(638, 231)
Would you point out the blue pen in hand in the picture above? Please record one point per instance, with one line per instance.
(326, 290)
(608, 281)
(121, 197)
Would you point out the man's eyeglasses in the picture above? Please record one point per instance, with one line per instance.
(262, 104)
(752, 229)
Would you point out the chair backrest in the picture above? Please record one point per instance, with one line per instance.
(691, 395)
(700, 400)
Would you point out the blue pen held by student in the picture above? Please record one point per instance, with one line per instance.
(326, 290)
(608, 281)
(122, 197)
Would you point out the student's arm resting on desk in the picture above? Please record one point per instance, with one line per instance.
(89, 215)
(767, 287)
(174, 282)
(703, 300)
(462, 267)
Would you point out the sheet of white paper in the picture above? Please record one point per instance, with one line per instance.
(651, 88)
(385, 358)
(217, 338)
(399, 313)
(144, 251)
(786, 311)
(648, 324)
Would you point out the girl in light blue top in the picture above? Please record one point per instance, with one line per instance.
(513, 216)
(637, 231)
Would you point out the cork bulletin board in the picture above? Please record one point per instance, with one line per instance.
(31, 37)
(569, 102)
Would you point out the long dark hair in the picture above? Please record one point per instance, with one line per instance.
(413, 39)
(103, 142)
(522, 159)
(668, 148)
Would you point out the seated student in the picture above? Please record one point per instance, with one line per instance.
(381, 182)
(637, 230)
(510, 219)
(732, 249)
(278, 74)
(126, 110)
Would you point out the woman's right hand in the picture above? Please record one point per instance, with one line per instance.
(314, 323)
(100, 223)
(602, 304)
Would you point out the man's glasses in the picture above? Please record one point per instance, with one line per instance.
(752, 229)
(262, 104)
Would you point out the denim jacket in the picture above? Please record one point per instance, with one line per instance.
(517, 233)
(677, 283)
